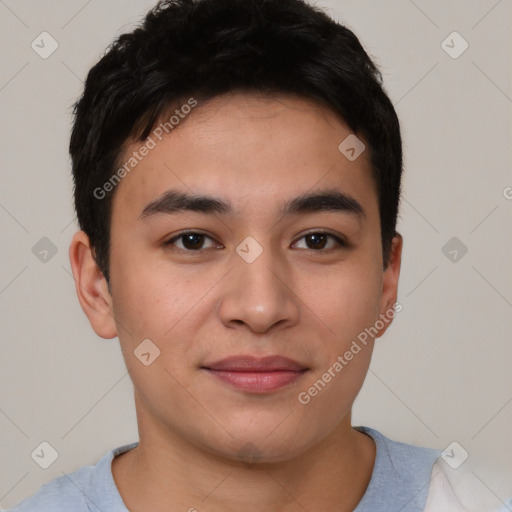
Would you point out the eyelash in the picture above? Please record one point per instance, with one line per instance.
(342, 243)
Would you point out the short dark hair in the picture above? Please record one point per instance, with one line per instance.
(206, 48)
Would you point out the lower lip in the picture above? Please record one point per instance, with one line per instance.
(258, 382)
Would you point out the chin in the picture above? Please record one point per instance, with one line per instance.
(260, 448)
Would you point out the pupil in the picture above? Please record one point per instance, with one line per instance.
(315, 238)
(191, 241)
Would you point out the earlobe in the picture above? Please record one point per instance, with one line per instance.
(390, 283)
(91, 287)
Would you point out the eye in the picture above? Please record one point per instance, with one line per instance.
(193, 241)
(190, 241)
(318, 240)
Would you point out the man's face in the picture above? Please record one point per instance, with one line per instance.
(213, 295)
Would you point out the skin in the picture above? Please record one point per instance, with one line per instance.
(203, 444)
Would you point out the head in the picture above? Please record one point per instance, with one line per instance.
(228, 120)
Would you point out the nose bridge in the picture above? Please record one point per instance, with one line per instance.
(257, 272)
(258, 294)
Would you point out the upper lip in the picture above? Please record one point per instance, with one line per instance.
(249, 363)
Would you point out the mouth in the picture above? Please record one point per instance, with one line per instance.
(255, 374)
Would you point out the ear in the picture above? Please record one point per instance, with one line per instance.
(91, 287)
(390, 284)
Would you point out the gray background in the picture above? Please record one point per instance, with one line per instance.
(440, 374)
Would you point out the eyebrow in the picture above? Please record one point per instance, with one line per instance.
(174, 201)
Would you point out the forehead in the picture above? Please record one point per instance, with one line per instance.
(251, 150)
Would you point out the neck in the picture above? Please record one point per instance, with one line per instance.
(166, 473)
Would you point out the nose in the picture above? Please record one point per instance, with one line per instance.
(258, 295)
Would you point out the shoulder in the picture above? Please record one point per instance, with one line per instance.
(403, 460)
(400, 477)
(90, 488)
(60, 495)
(441, 495)
(426, 482)
(461, 490)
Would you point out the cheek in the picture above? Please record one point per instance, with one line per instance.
(343, 303)
(147, 297)
(152, 305)
(168, 307)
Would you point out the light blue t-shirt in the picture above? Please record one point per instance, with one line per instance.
(400, 481)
